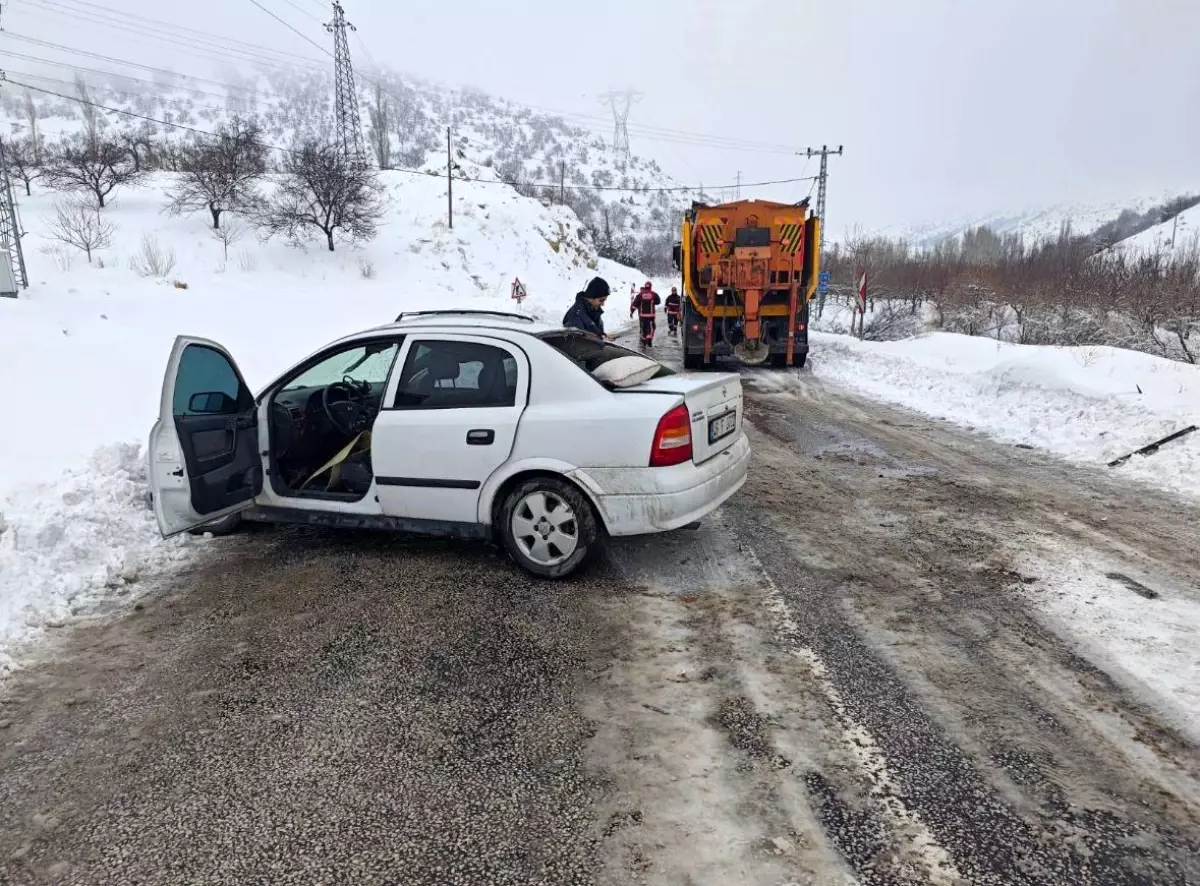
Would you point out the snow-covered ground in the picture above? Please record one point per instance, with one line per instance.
(83, 352)
(1087, 404)
(1147, 644)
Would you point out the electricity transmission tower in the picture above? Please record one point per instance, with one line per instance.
(822, 177)
(12, 258)
(621, 101)
(345, 106)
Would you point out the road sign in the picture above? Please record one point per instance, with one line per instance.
(862, 292)
(518, 290)
(823, 282)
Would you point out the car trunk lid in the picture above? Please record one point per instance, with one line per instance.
(714, 402)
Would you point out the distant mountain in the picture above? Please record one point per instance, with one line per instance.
(1134, 214)
(530, 150)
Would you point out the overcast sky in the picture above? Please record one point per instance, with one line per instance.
(946, 108)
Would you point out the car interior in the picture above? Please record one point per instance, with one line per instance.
(321, 423)
(589, 352)
(321, 419)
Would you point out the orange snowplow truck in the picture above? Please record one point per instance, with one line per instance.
(749, 271)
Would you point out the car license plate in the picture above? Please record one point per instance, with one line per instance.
(722, 426)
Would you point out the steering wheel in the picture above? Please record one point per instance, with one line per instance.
(346, 405)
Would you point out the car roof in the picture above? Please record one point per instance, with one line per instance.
(460, 321)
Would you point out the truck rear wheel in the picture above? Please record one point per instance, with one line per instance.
(693, 361)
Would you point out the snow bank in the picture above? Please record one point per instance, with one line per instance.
(1088, 404)
(69, 544)
(1148, 645)
(83, 353)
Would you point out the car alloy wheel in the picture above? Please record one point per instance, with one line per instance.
(545, 528)
(548, 527)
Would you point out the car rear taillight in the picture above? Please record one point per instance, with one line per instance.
(672, 439)
(800, 327)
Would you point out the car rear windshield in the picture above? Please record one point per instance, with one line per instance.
(589, 353)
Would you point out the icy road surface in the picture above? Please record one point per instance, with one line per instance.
(877, 665)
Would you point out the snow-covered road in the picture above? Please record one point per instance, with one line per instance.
(864, 669)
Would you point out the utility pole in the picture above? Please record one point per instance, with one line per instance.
(562, 183)
(12, 257)
(822, 178)
(345, 103)
(738, 192)
(449, 181)
(621, 101)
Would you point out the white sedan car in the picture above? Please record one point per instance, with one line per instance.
(455, 423)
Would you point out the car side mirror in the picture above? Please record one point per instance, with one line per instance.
(212, 403)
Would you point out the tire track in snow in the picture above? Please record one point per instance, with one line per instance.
(917, 845)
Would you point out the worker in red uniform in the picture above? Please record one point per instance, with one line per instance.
(674, 309)
(645, 303)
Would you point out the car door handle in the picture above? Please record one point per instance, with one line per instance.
(481, 437)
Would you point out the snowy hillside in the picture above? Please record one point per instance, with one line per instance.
(404, 122)
(86, 346)
(1180, 234)
(1035, 224)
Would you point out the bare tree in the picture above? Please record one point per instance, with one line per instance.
(20, 158)
(379, 131)
(139, 142)
(229, 235)
(77, 223)
(91, 114)
(323, 191)
(96, 168)
(35, 137)
(221, 175)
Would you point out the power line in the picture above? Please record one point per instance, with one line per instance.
(296, 7)
(429, 174)
(242, 51)
(292, 28)
(195, 46)
(106, 14)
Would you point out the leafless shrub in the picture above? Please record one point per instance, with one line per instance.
(229, 235)
(890, 321)
(152, 260)
(80, 225)
(63, 258)
(247, 261)
(366, 268)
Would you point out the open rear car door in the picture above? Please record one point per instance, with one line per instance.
(204, 459)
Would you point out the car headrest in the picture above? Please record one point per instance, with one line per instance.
(442, 366)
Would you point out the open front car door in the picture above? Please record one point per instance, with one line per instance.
(204, 457)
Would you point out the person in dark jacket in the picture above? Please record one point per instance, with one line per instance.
(645, 303)
(674, 308)
(587, 313)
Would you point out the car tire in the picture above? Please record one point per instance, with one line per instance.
(537, 518)
(224, 526)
